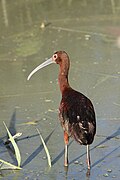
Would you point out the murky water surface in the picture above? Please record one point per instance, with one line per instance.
(30, 31)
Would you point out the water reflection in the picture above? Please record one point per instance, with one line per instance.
(5, 15)
(67, 174)
(31, 31)
(31, 12)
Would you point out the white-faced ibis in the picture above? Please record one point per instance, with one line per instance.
(76, 112)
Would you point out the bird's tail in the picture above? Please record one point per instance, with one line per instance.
(82, 136)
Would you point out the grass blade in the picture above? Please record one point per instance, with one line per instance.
(9, 165)
(46, 149)
(17, 152)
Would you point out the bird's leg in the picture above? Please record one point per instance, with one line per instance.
(88, 157)
(66, 140)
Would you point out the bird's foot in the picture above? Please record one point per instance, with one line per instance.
(66, 168)
(88, 173)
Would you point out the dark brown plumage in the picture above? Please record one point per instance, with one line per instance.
(77, 116)
(76, 112)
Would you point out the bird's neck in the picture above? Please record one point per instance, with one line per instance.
(63, 77)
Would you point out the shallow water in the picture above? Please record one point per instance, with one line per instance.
(90, 34)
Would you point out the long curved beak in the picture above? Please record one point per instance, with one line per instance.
(46, 63)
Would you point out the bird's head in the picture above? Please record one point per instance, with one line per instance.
(58, 58)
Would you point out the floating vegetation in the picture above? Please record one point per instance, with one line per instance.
(48, 100)
(109, 170)
(46, 149)
(42, 26)
(81, 163)
(6, 165)
(29, 123)
(76, 162)
(14, 137)
(102, 146)
(50, 110)
(105, 175)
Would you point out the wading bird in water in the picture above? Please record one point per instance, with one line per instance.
(76, 112)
